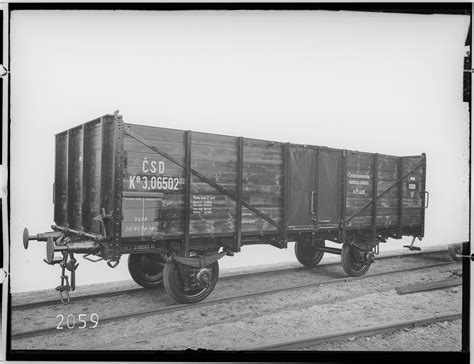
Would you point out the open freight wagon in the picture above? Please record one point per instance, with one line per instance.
(177, 201)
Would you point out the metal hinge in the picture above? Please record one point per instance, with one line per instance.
(3, 71)
(3, 275)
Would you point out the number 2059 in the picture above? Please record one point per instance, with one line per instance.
(81, 322)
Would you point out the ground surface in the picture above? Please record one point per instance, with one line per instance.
(441, 336)
(288, 315)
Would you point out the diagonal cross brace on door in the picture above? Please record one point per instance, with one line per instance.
(382, 193)
(157, 150)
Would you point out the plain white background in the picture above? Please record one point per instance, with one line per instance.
(386, 83)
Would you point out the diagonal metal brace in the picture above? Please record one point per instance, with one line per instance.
(128, 131)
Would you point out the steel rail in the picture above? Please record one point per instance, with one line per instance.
(30, 305)
(183, 307)
(338, 336)
(55, 301)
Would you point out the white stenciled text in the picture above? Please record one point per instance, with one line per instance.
(82, 321)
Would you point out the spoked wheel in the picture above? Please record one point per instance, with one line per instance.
(147, 269)
(353, 261)
(200, 282)
(307, 254)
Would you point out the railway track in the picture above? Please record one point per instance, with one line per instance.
(338, 336)
(138, 290)
(181, 307)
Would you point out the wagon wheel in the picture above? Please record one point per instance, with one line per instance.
(147, 269)
(454, 250)
(202, 281)
(353, 262)
(307, 254)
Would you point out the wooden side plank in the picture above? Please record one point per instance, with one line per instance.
(75, 180)
(61, 179)
(92, 175)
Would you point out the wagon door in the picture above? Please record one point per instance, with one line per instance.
(302, 182)
(328, 176)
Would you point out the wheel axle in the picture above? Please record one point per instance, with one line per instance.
(327, 249)
(204, 276)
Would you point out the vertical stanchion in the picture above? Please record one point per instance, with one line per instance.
(187, 192)
(374, 197)
(400, 196)
(240, 170)
(286, 183)
(423, 189)
(80, 177)
(316, 189)
(117, 176)
(344, 193)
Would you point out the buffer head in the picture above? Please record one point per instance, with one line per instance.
(50, 250)
(26, 238)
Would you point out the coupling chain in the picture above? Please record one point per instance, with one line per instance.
(64, 289)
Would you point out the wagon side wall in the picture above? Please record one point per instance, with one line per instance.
(154, 193)
(223, 186)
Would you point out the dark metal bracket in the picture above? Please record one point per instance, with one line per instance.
(3, 71)
(427, 199)
(198, 262)
(86, 257)
(411, 246)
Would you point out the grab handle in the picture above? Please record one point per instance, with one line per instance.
(312, 202)
(427, 199)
